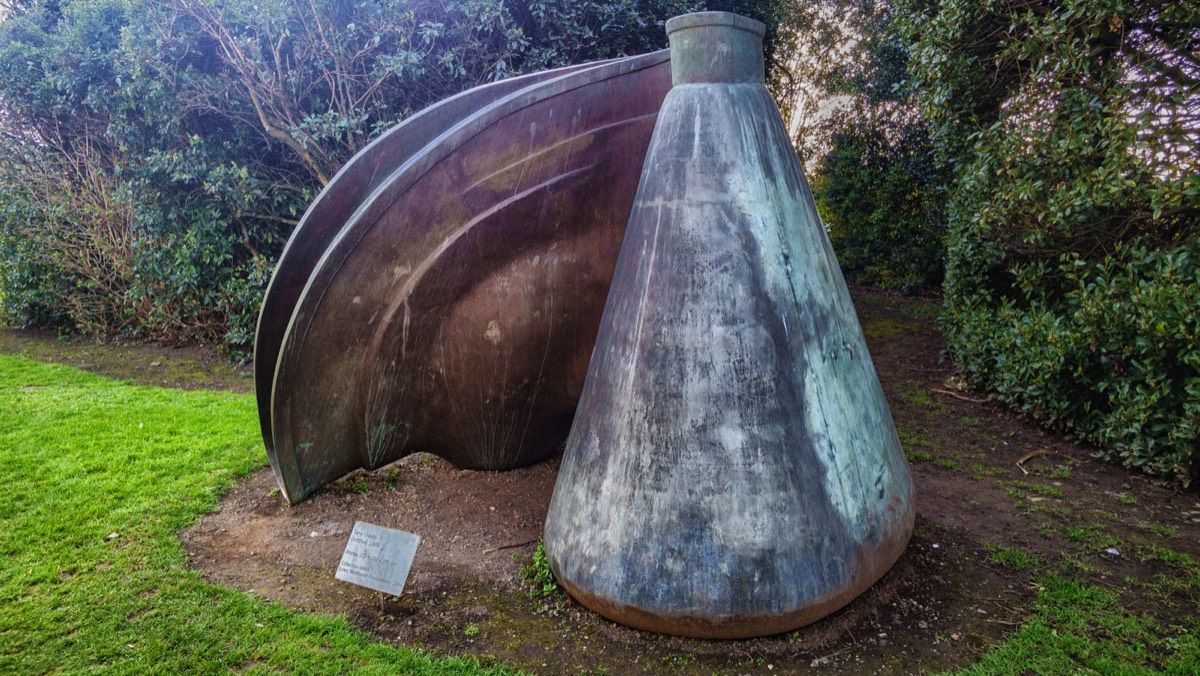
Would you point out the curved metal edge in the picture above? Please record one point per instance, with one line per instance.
(872, 566)
(698, 19)
(337, 202)
(390, 189)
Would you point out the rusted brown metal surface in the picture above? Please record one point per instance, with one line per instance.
(336, 204)
(451, 306)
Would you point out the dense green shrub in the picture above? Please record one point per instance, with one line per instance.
(1113, 351)
(1072, 283)
(877, 181)
(30, 287)
(883, 203)
(132, 206)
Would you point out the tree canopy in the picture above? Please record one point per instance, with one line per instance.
(1046, 153)
(1043, 154)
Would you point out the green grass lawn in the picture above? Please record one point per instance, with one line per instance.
(83, 457)
(1080, 628)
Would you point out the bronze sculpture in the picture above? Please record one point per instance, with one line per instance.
(443, 292)
(733, 469)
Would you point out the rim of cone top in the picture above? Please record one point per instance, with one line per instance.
(716, 48)
(698, 19)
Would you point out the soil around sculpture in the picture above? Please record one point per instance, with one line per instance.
(923, 615)
(928, 607)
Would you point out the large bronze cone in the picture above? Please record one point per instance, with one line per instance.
(733, 469)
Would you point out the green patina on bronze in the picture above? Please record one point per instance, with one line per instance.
(733, 469)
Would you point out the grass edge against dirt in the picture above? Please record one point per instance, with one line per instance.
(1072, 625)
(1077, 626)
(100, 477)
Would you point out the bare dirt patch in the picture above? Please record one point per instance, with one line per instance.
(465, 594)
(184, 367)
(988, 482)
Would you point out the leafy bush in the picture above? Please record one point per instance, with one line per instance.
(1113, 352)
(877, 182)
(64, 247)
(1072, 284)
(31, 285)
(883, 203)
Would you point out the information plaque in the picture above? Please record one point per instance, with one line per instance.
(378, 558)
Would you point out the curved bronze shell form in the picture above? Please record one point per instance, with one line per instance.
(443, 292)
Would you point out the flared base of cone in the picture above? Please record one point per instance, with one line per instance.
(744, 626)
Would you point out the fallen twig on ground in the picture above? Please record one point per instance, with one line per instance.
(1032, 454)
(956, 395)
(519, 544)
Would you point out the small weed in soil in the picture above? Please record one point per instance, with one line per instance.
(1012, 557)
(947, 463)
(979, 470)
(919, 456)
(915, 394)
(1165, 531)
(1168, 556)
(538, 576)
(543, 586)
(1092, 539)
(392, 479)
(1038, 489)
(1061, 471)
(912, 440)
(1046, 529)
(678, 661)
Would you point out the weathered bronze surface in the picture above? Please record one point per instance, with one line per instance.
(334, 206)
(733, 469)
(443, 292)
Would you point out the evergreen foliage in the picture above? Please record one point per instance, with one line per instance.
(1073, 273)
(878, 185)
(154, 157)
(882, 200)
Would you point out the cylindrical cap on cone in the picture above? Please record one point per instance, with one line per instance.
(715, 47)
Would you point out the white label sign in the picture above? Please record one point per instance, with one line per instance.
(378, 558)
